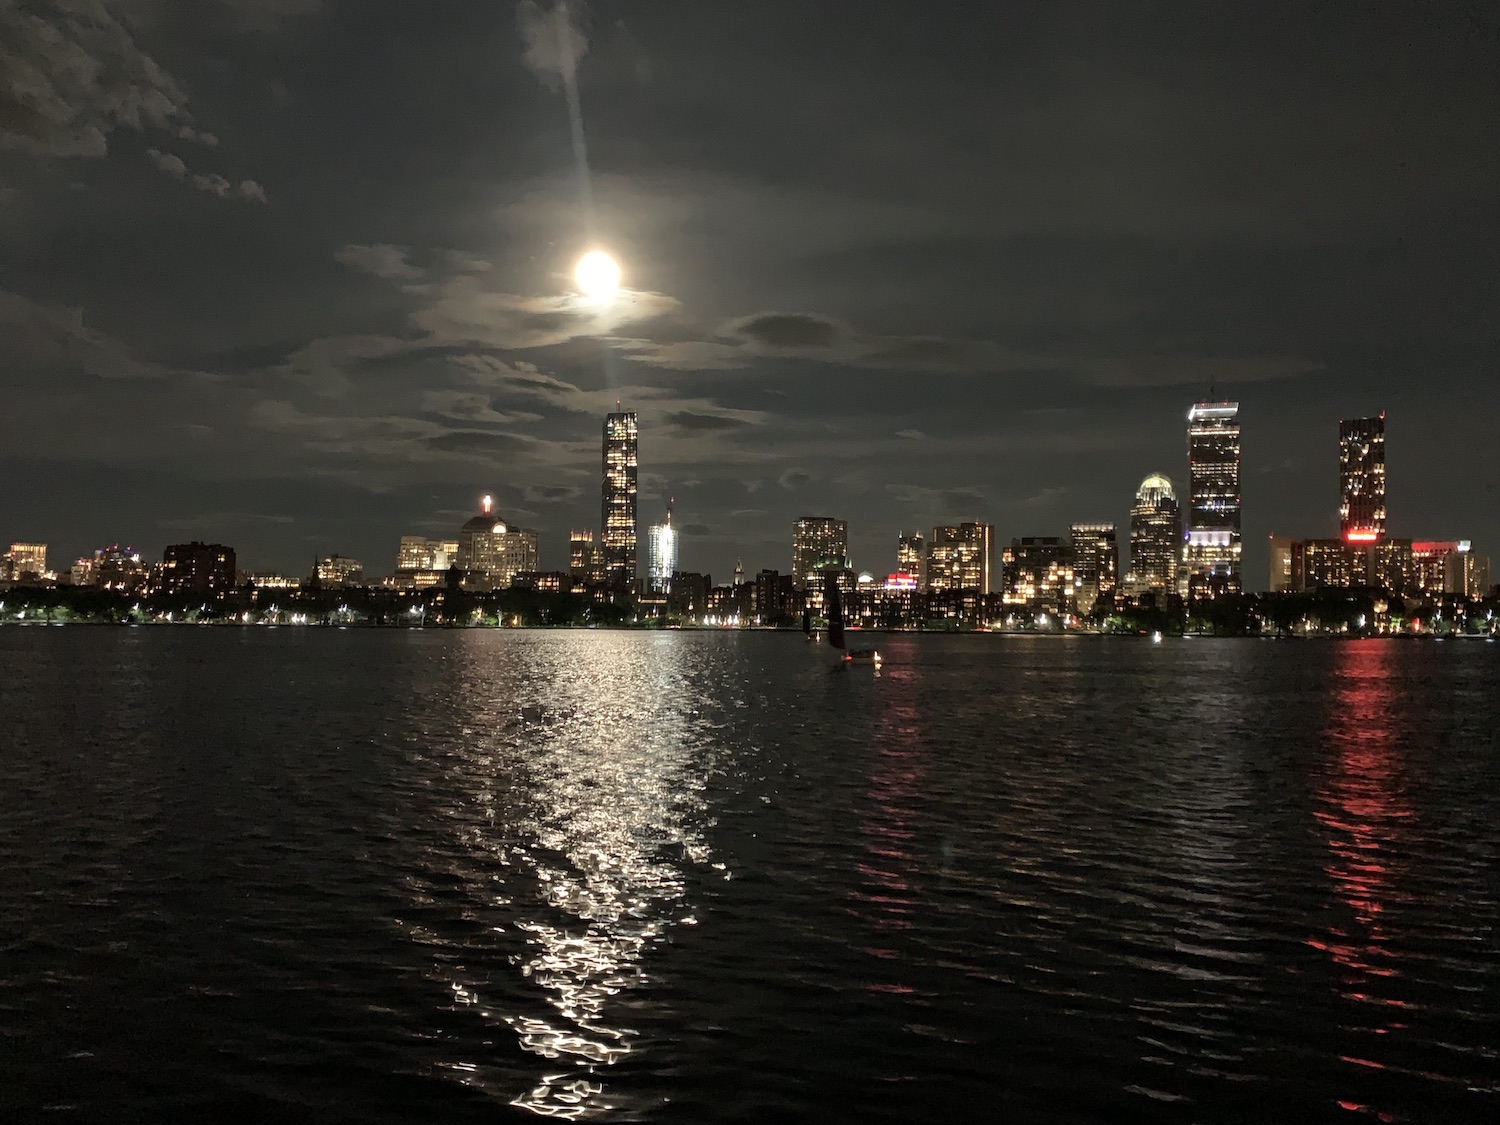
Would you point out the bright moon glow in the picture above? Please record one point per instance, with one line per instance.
(597, 275)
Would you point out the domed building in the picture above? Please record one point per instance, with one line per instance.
(491, 552)
(1155, 537)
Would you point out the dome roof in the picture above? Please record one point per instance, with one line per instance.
(488, 524)
(1155, 488)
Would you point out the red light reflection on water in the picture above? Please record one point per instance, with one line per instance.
(1363, 807)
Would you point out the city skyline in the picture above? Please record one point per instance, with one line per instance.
(1212, 471)
(806, 319)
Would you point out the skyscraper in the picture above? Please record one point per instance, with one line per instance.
(1155, 537)
(1362, 479)
(493, 551)
(1212, 552)
(661, 542)
(617, 518)
(960, 557)
(27, 560)
(1096, 566)
(911, 557)
(817, 540)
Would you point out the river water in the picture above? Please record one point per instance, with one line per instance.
(479, 875)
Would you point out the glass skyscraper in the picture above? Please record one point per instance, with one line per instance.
(1212, 552)
(1155, 537)
(661, 544)
(617, 517)
(1362, 479)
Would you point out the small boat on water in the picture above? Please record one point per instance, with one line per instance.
(834, 608)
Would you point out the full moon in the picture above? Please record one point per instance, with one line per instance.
(597, 275)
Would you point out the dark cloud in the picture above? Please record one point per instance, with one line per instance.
(788, 330)
(550, 494)
(707, 423)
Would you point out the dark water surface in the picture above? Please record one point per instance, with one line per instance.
(459, 876)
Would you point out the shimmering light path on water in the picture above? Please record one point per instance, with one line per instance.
(475, 875)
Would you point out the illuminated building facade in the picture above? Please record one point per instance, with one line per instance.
(1096, 566)
(618, 500)
(661, 562)
(422, 562)
(1155, 537)
(816, 542)
(1362, 479)
(585, 559)
(26, 561)
(960, 558)
(1449, 566)
(1038, 574)
(1312, 564)
(1211, 555)
(911, 557)
(338, 570)
(492, 552)
(204, 569)
(112, 568)
(416, 552)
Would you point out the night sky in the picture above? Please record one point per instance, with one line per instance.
(294, 275)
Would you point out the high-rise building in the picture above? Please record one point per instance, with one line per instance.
(1212, 552)
(816, 542)
(1155, 537)
(112, 568)
(492, 552)
(959, 557)
(1038, 574)
(617, 515)
(911, 557)
(661, 542)
(423, 562)
(27, 560)
(1315, 564)
(418, 553)
(204, 569)
(1096, 566)
(340, 570)
(1450, 567)
(1362, 479)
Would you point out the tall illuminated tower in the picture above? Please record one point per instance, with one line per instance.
(661, 543)
(1362, 479)
(1212, 552)
(617, 518)
(1155, 537)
